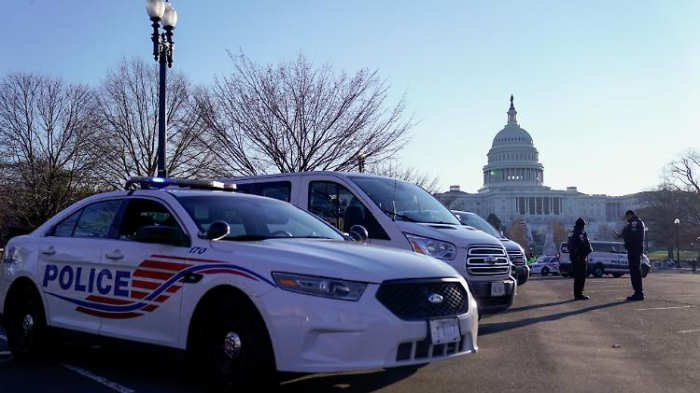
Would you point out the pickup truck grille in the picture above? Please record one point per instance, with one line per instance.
(516, 257)
(408, 299)
(487, 261)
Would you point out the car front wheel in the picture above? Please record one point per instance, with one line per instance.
(545, 271)
(25, 324)
(231, 346)
(599, 271)
(645, 271)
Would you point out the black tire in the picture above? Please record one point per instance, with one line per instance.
(617, 275)
(545, 271)
(250, 360)
(598, 271)
(645, 271)
(25, 323)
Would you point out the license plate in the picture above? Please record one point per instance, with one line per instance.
(444, 331)
(498, 288)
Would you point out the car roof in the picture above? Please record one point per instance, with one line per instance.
(299, 174)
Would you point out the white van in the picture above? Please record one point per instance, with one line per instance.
(401, 215)
(607, 258)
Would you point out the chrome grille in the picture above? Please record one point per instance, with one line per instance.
(517, 257)
(487, 261)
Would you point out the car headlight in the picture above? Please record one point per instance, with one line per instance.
(320, 286)
(432, 247)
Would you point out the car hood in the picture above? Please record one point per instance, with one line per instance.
(459, 235)
(336, 259)
(511, 245)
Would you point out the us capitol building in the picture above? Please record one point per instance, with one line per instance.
(514, 189)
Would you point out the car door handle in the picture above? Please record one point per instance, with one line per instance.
(48, 251)
(115, 255)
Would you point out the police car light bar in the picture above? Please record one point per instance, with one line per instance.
(146, 183)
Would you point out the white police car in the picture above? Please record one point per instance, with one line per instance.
(243, 284)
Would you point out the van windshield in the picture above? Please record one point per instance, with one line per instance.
(405, 201)
(479, 223)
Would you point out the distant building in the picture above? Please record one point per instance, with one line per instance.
(514, 189)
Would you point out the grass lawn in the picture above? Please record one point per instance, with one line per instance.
(661, 255)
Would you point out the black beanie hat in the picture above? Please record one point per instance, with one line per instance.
(580, 223)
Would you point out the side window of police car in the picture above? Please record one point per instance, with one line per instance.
(340, 208)
(93, 221)
(140, 213)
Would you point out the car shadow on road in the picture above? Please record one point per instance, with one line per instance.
(496, 327)
(350, 383)
(536, 306)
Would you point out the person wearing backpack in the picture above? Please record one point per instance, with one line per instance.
(579, 248)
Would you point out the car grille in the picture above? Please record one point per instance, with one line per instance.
(517, 257)
(417, 350)
(408, 300)
(487, 261)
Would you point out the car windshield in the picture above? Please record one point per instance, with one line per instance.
(253, 218)
(479, 223)
(405, 201)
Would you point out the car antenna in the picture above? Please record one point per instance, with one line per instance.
(393, 203)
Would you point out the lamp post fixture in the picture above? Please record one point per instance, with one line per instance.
(678, 247)
(361, 161)
(162, 11)
(646, 239)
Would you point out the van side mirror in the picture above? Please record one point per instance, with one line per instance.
(218, 230)
(161, 235)
(358, 233)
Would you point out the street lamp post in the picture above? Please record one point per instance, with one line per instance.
(162, 11)
(646, 240)
(678, 247)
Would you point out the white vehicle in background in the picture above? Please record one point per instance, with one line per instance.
(545, 266)
(607, 258)
(244, 285)
(400, 215)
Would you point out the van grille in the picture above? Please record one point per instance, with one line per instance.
(517, 257)
(487, 261)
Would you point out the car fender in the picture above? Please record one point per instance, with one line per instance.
(193, 293)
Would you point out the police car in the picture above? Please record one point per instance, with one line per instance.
(243, 285)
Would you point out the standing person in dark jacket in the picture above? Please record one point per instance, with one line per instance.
(633, 235)
(579, 248)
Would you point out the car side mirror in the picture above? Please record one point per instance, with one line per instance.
(218, 230)
(161, 235)
(358, 233)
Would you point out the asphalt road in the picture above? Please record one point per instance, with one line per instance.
(545, 343)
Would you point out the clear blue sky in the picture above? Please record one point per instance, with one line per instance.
(609, 90)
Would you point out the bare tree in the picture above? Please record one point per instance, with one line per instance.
(46, 127)
(604, 232)
(683, 173)
(559, 233)
(518, 234)
(294, 117)
(408, 174)
(128, 108)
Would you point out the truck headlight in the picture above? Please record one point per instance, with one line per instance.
(320, 286)
(432, 247)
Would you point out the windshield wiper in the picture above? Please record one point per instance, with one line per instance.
(401, 216)
(243, 238)
(306, 237)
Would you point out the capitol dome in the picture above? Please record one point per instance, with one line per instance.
(513, 159)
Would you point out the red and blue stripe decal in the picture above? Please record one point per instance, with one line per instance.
(153, 283)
